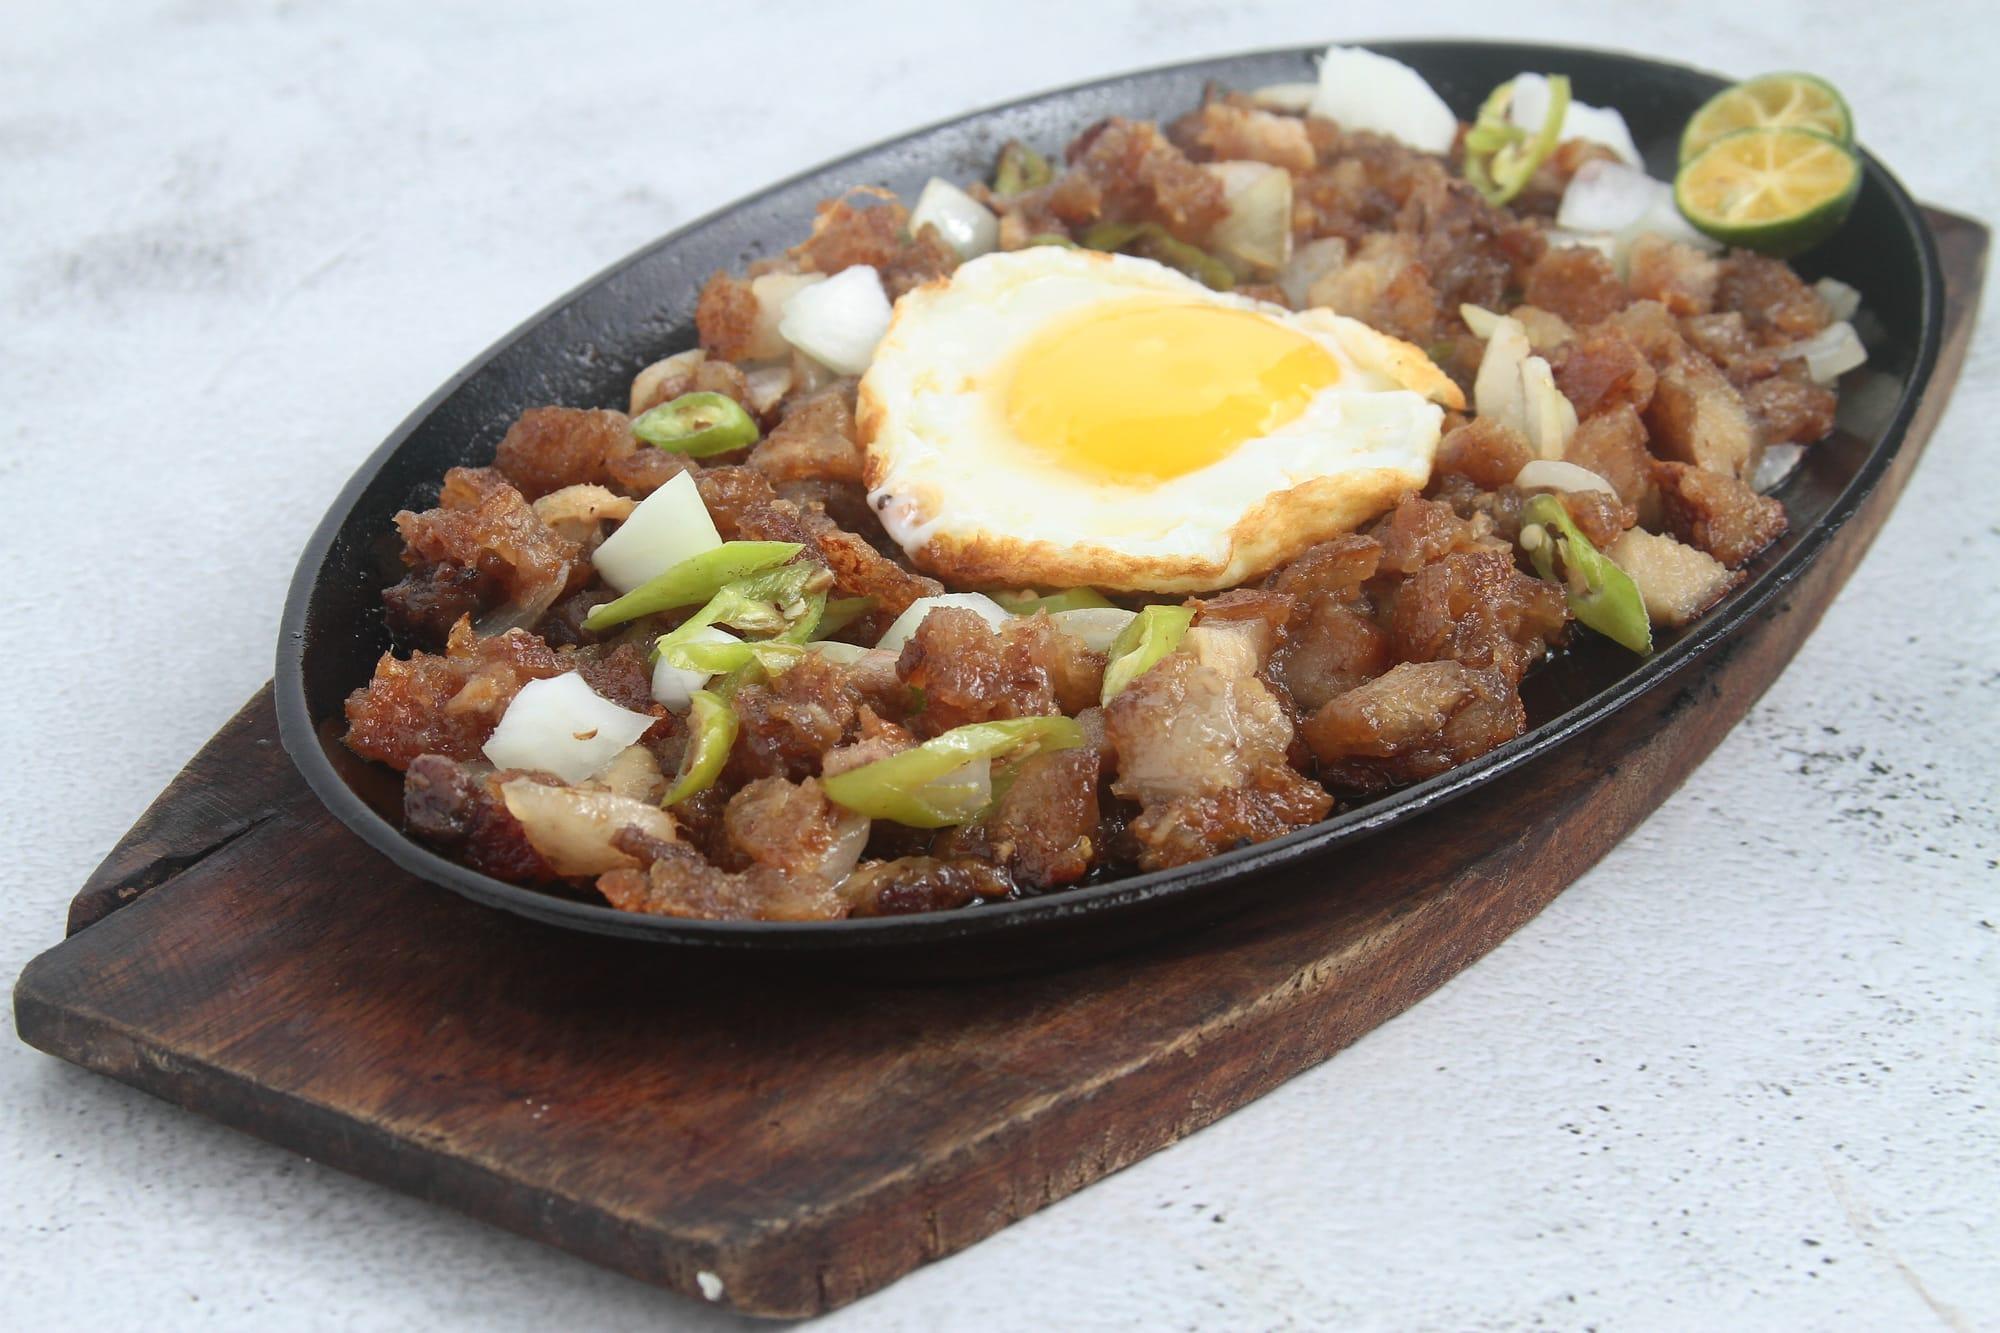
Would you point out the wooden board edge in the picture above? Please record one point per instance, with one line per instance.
(193, 817)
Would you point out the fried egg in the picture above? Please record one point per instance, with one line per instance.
(1060, 418)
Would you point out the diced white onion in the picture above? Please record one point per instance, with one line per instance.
(1777, 462)
(675, 686)
(572, 828)
(1497, 391)
(1605, 197)
(1097, 626)
(906, 624)
(766, 386)
(1291, 98)
(1552, 474)
(1550, 416)
(1830, 353)
(838, 322)
(1479, 319)
(1365, 91)
(841, 654)
(1611, 199)
(1255, 237)
(773, 292)
(669, 526)
(1529, 107)
(562, 726)
(966, 225)
(646, 384)
(1309, 263)
(1841, 301)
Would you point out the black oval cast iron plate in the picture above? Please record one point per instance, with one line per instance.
(583, 350)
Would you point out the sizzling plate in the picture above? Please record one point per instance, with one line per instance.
(584, 350)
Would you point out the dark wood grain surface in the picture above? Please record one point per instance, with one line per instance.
(802, 1144)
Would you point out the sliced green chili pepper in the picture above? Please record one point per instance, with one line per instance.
(895, 788)
(1019, 170)
(698, 425)
(693, 580)
(1500, 157)
(1153, 633)
(1026, 602)
(1150, 240)
(718, 659)
(712, 727)
(842, 612)
(1055, 238)
(1601, 595)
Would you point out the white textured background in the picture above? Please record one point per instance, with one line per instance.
(1743, 1074)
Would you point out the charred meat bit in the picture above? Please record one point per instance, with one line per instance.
(457, 808)
(922, 884)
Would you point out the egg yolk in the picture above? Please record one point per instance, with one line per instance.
(1148, 391)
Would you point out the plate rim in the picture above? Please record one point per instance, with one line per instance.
(302, 743)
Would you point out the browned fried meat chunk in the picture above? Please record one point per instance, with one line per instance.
(1476, 608)
(1142, 177)
(483, 524)
(1790, 409)
(1576, 283)
(725, 317)
(1334, 568)
(788, 725)
(870, 227)
(1613, 445)
(798, 846)
(921, 884)
(1332, 649)
(1204, 755)
(1678, 276)
(446, 705)
(1417, 532)
(1603, 369)
(815, 441)
(1043, 827)
(1227, 131)
(1773, 300)
(430, 598)
(1414, 722)
(1718, 514)
(549, 448)
(457, 808)
(969, 672)
(1485, 451)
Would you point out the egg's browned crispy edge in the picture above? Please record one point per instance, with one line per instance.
(1276, 530)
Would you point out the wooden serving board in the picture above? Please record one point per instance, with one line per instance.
(783, 1148)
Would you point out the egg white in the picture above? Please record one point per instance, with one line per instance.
(978, 507)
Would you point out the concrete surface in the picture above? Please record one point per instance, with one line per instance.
(1741, 1075)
